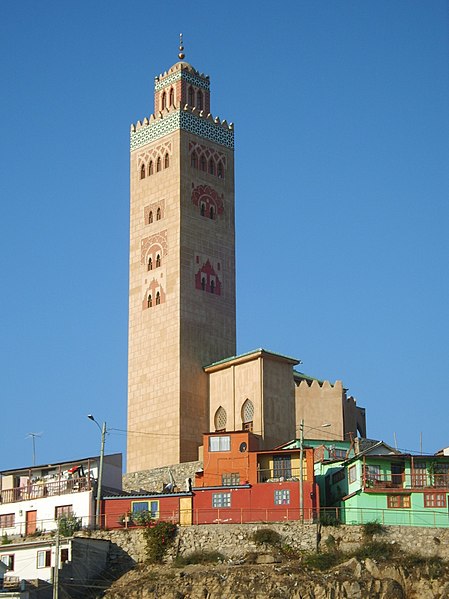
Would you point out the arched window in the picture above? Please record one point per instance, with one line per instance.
(220, 420)
(150, 168)
(158, 298)
(203, 283)
(194, 160)
(158, 261)
(220, 170)
(199, 100)
(158, 214)
(142, 171)
(164, 101)
(150, 217)
(211, 167)
(166, 161)
(150, 263)
(211, 212)
(212, 286)
(150, 301)
(172, 97)
(191, 96)
(247, 415)
(158, 165)
(203, 163)
(203, 209)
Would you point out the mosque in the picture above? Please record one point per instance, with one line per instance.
(184, 377)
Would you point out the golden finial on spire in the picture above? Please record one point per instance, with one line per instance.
(181, 54)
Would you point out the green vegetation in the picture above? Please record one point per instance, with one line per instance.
(5, 539)
(200, 557)
(322, 561)
(158, 539)
(267, 536)
(372, 528)
(67, 525)
(329, 519)
(378, 550)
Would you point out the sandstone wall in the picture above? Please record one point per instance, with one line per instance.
(153, 480)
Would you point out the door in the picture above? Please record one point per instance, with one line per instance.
(185, 511)
(31, 518)
(397, 474)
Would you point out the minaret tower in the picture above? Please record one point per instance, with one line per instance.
(182, 267)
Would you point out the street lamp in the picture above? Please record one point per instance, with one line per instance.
(100, 469)
(301, 467)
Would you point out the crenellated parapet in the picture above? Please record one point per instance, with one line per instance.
(184, 71)
(187, 118)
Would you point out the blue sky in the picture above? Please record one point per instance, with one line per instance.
(342, 187)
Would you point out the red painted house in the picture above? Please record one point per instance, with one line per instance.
(241, 483)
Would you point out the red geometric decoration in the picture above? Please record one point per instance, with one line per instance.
(206, 279)
(208, 201)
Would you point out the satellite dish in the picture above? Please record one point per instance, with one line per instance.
(243, 447)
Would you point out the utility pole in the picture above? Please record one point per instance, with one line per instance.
(56, 567)
(301, 470)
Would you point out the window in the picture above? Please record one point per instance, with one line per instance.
(212, 286)
(352, 474)
(199, 99)
(221, 499)
(203, 283)
(191, 96)
(164, 100)
(150, 301)
(211, 212)
(194, 160)
(247, 415)
(158, 261)
(282, 466)
(441, 475)
(372, 473)
(142, 171)
(150, 263)
(44, 559)
(152, 507)
(222, 443)
(64, 555)
(172, 97)
(230, 478)
(150, 217)
(150, 168)
(220, 170)
(338, 476)
(6, 520)
(434, 500)
(248, 426)
(203, 209)
(211, 167)
(158, 214)
(8, 560)
(166, 161)
(281, 497)
(220, 419)
(419, 473)
(158, 165)
(398, 501)
(203, 163)
(63, 510)
(158, 298)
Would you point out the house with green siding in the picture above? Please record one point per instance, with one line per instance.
(387, 487)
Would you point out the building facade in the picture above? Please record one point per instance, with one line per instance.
(182, 267)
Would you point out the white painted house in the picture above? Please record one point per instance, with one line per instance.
(33, 499)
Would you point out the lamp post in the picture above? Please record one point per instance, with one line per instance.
(100, 469)
(301, 466)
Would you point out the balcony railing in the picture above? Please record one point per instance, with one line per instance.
(40, 489)
(416, 480)
(276, 475)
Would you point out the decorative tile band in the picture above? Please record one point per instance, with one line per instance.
(182, 120)
(189, 77)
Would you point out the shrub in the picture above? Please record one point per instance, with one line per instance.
(142, 518)
(329, 519)
(376, 550)
(5, 539)
(158, 539)
(267, 536)
(67, 525)
(200, 557)
(322, 561)
(372, 528)
(435, 565)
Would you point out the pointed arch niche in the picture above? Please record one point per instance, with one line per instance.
(247, 415)
(220, 420)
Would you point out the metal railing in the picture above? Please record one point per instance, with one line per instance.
(417, 480)
(40, 489)
(280, 474)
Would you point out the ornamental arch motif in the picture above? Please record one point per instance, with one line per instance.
(220, 419)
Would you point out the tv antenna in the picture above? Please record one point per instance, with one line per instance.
(33, 437)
